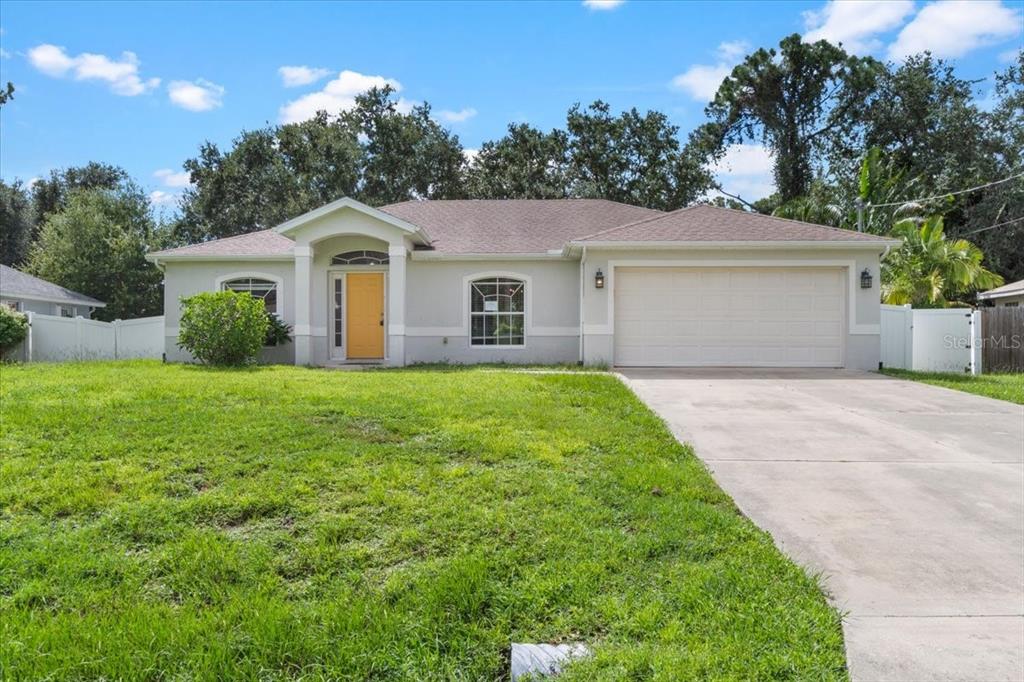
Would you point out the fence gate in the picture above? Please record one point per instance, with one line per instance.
(1002, 339)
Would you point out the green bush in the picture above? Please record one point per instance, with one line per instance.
(13, 329)
(223, 327)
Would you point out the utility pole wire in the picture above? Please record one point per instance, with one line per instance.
(992, 227)
(948, 194)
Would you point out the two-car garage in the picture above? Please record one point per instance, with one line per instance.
(729, 316)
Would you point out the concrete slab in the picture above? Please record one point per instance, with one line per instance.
(909, 499)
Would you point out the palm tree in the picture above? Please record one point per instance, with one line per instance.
(929, 271)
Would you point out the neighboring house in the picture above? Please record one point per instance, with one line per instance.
(545, 281)
(1007, 296)
(25, 293)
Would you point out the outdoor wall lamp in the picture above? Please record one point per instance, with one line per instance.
(865, 279)
(599, 279)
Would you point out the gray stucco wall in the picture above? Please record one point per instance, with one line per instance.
(436, 300)
(437, 311)
(183, 279)
(47, 308)
(862, 347)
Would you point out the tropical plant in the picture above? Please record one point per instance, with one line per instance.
(13, 329)
(223, 327)
(278, 331)
(930, 271)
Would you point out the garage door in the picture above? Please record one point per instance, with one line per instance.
(739, 317)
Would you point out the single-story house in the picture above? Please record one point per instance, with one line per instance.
(27, 294)
(548, 281)
(1008, 296)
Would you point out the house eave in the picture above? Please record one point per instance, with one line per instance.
(157, 258)
(873, 245)
(287, 227)
(435, 256)
(46, 299)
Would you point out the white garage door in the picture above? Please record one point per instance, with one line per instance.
(740, 317)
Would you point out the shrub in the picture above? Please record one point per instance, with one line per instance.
(223, 327)
(13, 329)
(278, 332)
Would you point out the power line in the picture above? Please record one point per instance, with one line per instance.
(992, 227)
(948, 194)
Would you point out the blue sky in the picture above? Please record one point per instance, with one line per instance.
(141, 85)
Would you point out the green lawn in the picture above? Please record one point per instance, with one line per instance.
(176, 522)
(1002, 386)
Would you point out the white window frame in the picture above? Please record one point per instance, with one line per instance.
(276, 279)
(467, 308)
(60, 308)
(16, 306)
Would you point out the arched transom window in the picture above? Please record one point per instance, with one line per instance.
(497, 312)
(360, 258)
(260, 288)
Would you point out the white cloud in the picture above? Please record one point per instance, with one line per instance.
(4, 54)
(171, 179)
(456, 116)
(733, 50)
(602, 5)
(293, 76)
(470, 155)
(1009, 56)
(952, 28)
(856, 23)
(121, 75)
(338, 95)
(701, 81)
(199, 95)
(161, 198)
(746, 170)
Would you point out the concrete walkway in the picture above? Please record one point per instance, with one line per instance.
(909, 498)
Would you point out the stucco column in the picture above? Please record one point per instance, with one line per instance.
(302, 332)
(396, 305)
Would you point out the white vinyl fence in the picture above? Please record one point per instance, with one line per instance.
(931, 340)
(57, 339)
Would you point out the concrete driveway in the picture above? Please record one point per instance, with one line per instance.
(908, 498)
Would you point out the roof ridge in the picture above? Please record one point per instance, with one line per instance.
(659, 216)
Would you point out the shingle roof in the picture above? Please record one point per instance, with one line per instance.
(262, 243)
(705, 223)
(1011, 289)
(513, 226)
(18, 284)
(483, 226)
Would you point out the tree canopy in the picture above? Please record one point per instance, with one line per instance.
(801, 101)
(96, 245)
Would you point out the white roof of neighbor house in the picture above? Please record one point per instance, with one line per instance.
(21, 285)
(541, 226)
(1011, 289)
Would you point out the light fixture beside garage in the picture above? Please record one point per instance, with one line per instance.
(865, 279)
(599, 279)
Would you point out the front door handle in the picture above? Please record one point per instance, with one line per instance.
(382, 319)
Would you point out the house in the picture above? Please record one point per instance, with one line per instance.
(1007, 296)
(22, 292)
(548, 281)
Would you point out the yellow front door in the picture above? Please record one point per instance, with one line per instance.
(365, 317)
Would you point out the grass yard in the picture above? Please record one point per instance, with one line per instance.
(1002, 386)
(176, 522)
